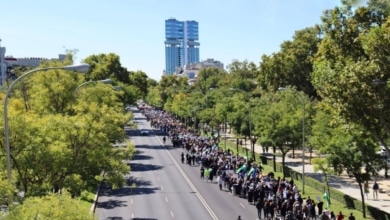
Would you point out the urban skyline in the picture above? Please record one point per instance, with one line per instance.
(134, 30)
(181, 44)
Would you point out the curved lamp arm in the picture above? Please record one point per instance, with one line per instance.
(81, 68)
(105, 81)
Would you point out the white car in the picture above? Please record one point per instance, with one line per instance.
(144, 132)
(382, 152)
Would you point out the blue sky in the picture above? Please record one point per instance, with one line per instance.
(134, 29)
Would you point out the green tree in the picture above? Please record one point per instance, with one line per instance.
(51, 206)
(352, 55)
(56, 142)
(293, 64)
(104, 66)
(348, 150)
(139, 80)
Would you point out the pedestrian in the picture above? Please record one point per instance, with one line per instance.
(324, 216)
(220, 182)
(351, 217)
(202, 172)
(320, 206)
(340, 216)
(332, 216)
(259, 207)
(239, 218)
(366, 189)
(375, 189)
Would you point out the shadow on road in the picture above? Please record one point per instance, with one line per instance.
(138, 182)
(140, 167)
(138, 155)
(127, 191)
(144, 219)
(158, 147)
(140, 187)
(111, 204)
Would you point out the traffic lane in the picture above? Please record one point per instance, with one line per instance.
(128, 202)
(178, 191)
(148, 202)
(182, 195)
(181, 206)
(183, 200)
(222, 203)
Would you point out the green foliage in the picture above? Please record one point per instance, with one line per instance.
(352, 56)
(292, 65)
(51, 206)
(139, 80)
(64, 140)
(104, 66)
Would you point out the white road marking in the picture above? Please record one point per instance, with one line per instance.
(172, 214)
(200, 197)
(132, 215)
(166, 199)
(131, 201)
(162, 188)
(158, 178)
(242, 205)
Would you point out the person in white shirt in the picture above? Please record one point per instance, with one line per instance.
(295, 189)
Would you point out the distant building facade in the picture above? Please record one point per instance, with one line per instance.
(181, 44)
(191, 71)
(7, 62)
(31, 61)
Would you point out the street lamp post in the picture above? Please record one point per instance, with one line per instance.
(104, 81)
(251, 140)
(82, 68)
(303, 137)
(224, 126)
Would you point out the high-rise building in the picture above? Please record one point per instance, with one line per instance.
(181, 44)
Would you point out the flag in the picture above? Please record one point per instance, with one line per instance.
(250, 171)
(207, 173)
(243, 167)
(327, 199)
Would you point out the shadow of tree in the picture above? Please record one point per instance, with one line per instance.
(144, 219)
(293, 164)
(138, 156)
(138, 182)
(111, 204)
(152, 147)
(140, 167)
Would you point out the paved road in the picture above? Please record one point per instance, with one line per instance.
(166, 189)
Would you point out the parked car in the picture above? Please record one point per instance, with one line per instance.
(144, 132)
(383, 151)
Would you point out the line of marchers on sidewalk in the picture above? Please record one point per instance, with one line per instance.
(343, 183)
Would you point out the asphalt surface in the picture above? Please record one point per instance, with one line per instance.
(166, 188)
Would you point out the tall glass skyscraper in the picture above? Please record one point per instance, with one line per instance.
(181, 44)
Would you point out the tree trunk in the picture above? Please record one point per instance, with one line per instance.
(274, 161)
(362, 196)
(283, 162)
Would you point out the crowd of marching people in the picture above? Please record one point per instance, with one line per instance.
(273, 197)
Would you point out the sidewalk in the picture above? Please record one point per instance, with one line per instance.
(342, 183)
